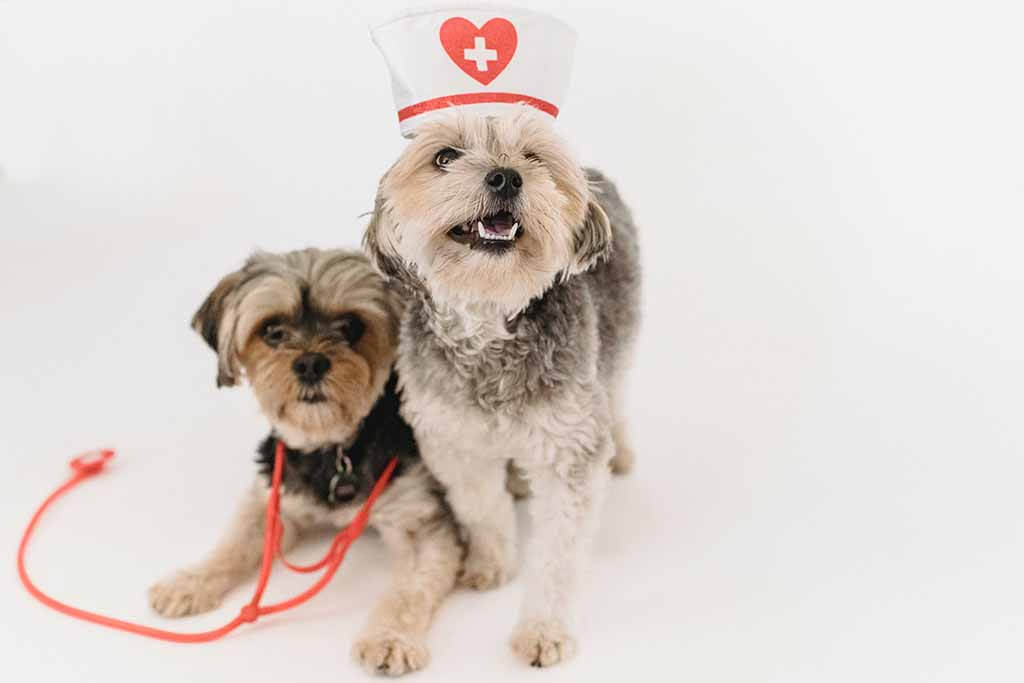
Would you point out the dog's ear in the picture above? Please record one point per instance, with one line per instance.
(378, 241)
(592, 241)
(208, 322)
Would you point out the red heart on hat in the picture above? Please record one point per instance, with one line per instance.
(483, 53)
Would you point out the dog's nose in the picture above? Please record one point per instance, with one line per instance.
(504, 182)
(310, 368)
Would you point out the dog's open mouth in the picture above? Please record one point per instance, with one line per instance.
(311, 395)
(496, 232)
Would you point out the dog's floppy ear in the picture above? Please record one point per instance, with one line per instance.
(378, 244)
(208, 322)
(592, 241)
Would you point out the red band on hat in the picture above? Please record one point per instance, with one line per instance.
(475, 98)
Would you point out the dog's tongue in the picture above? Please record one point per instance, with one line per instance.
(499, 223)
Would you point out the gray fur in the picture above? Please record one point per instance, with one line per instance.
(516, 355)
(588, 319)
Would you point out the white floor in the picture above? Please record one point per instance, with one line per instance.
(827, 393)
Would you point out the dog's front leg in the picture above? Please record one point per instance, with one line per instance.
(426, 563)
(564, 508)
(475, 489)
(236, 557)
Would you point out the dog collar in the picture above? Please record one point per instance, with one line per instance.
(331, 474)
(342, 470)
(340, 473)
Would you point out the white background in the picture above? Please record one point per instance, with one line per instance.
(827, 392)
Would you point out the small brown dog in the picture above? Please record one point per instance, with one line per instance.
(315, 333)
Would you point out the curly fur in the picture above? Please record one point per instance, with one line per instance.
(517, 356)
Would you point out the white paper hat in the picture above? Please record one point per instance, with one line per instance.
(484, 60)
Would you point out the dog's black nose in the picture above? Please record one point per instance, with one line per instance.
(310, 368)
(504, 182)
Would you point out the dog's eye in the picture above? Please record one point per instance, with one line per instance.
(531, 156)
(351, 327)
(446, 156)
(274, 333)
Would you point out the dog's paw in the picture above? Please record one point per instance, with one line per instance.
(390, 653)
(543, 642)
(486, 566)
(186, 593)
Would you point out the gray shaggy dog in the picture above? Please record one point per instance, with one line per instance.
(521, 276)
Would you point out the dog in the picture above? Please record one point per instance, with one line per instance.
(522, 278)
(314, 332)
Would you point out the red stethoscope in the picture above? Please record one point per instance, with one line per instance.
(90, 464)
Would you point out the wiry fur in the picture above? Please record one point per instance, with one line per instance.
(565, 230)
(514, 356)
(306, 292)
(273, 286)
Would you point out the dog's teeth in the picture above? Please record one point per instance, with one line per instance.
(480, 228)
(515, 229)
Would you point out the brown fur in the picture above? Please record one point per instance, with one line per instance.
(307, 295)
(274, 288)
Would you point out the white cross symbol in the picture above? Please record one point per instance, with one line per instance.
(480, 54)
